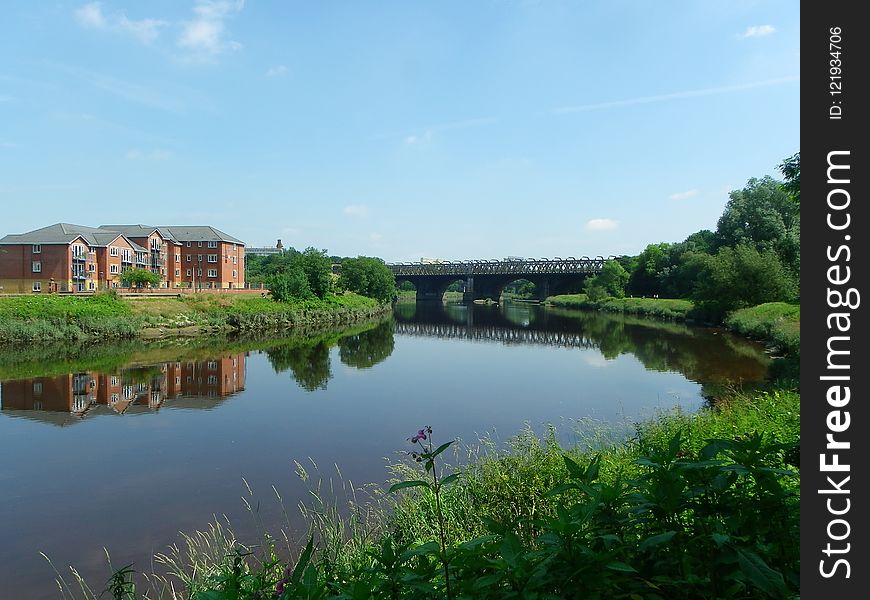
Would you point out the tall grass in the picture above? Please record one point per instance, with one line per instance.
(660, 308)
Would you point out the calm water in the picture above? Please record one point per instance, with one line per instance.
(123, 446)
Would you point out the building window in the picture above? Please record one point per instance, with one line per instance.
(113, 251)
(92, 285)
(37, 248)
(37, 266)
(113, 269)
(199, 244)
(211, 365)
(178, 272)
(37, 286)
(212, 258)
(199, 258)
(189, 257)
(188, 272)
(92, 267)
(37, 388)
(212, 380)
(234, 260)
(199, 272)
(177, 258)
(212, 272)
(234, 275)
(188, 244)
(212, 244)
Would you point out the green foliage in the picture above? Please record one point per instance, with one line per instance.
(740, 277)
(762, 215)
(777, 323)
(661, 308)
(317, 267)
(289, 285)
(791, 171)
(368, 277)
(139, 277)
(610, 282)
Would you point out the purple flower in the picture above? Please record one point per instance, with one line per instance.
(421, 435)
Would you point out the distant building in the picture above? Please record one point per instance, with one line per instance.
(266, 250)
(75, 258)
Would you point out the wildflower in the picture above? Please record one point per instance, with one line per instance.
(421, 435)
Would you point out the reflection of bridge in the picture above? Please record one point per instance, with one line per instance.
(490, 333)
(487, 278)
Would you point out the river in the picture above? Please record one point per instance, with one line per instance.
(124, 445)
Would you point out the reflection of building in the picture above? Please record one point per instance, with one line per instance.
(135, 389)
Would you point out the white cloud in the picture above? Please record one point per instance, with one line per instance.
(205, 36)
(136, 154)
(601, 225)
(684, 195)
(758, 31)
(422, 138)
(359, 211)
(91, 16)
(677, 95)
(375, 237)
(276, 71)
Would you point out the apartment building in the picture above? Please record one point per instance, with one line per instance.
(66, 258)
(75, 258)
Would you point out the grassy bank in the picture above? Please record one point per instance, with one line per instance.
(700, 505)
(107, 316)
(661, 308)
(776, 323)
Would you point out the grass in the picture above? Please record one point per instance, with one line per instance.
(777, 323)
(661, 308)
(664, 514)
(108, 316)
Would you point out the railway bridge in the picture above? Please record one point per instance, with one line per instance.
(484, 279)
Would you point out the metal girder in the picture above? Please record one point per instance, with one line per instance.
(530, 266)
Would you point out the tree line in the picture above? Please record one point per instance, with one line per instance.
(294, 275)
(751, 258)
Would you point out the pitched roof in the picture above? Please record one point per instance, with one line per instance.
(66, 233)
(176, 233)
(199, 233)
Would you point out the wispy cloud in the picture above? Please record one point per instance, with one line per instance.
(136, 154)
(425, 134)
(601, 224)
(684, 195)
(5, 98)
(276, 71)
(8, 145)
(91, 16)
(758, 31)
(205, 36)
(677, 95)
(359, 211)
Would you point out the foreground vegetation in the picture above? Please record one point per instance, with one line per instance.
(109, 316)
(673, 309)
(691, 506)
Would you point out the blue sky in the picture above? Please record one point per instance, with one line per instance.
(451, 129)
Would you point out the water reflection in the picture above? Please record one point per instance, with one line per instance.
(128, 390)
(702, 355)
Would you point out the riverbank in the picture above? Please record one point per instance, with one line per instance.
(776, 324)
(666, 514)
(110, 316)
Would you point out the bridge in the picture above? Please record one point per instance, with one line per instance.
(495, 333)
(487, 278)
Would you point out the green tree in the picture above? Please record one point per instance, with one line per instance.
(740, 277)
(318, 270)
(289, 285)
(764, 216)
(139, 277)
(368, 277)
(791, 171)
(610, 282)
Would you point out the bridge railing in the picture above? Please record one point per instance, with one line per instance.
(503, 267)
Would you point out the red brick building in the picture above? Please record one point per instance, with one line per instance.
(75, 258)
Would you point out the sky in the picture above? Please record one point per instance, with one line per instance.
(453, 129)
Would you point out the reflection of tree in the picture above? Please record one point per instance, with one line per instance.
(309, 363)
(405, 311)
(366, 349)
